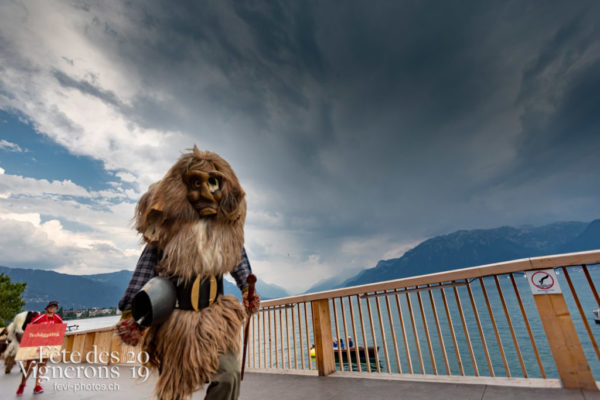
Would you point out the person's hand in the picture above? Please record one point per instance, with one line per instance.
(129, 331)
(253, 305)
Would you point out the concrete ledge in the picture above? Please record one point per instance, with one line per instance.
(467, 380)
(276, 371)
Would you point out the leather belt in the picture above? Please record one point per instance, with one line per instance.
(199, 293)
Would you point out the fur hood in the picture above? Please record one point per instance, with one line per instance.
(16, 326)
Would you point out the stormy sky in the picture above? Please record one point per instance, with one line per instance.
(357, 128)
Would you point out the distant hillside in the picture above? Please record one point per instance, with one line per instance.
(98, 290)
(326, 284)
(71, 291)
(468, 248)
(270, 290)
(119, 279)
(267, 291)
(589, 239)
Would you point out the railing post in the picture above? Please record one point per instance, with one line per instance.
(566, 348)
(323, 337)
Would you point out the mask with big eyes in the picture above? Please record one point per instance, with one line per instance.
(204, 190)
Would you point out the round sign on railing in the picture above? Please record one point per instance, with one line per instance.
(543, 282)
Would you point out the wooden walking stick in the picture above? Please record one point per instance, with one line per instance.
(251, 282)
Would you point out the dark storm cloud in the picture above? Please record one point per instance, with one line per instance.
(401, 118)
(560, 93)
(87, 87)
(227, 60)
(557, 104)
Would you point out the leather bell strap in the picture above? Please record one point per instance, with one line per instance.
(199, 293)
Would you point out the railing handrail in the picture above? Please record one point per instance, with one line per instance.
(329, 315)
(92, 330)
(505, 267)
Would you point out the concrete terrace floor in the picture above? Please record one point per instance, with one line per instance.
(265, 386)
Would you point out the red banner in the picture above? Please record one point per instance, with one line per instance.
(43, 335)
(47, 337)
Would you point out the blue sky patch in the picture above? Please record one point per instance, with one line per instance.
(42, 158)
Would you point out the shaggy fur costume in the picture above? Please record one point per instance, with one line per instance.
(3, 343)
(186, 347)
(14, 331)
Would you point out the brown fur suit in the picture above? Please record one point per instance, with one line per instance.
(186, 347)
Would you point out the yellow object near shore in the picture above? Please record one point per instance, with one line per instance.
(313, 354)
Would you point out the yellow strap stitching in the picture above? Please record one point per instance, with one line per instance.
(213, 290)
(195, 295)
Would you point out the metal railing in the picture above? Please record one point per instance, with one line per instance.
(475, 322)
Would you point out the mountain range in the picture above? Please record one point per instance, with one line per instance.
(460, 249)
(466, 248)
(98, 290)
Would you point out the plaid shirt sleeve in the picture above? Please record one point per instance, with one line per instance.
(241, 272)
(144, 271)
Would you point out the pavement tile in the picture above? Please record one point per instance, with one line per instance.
(503, 392)
(259, 386)
(587, 395)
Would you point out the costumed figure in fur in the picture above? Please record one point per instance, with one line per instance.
(14, 333)
(193, 223)
(3, 341)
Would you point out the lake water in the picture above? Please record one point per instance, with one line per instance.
(497, 365)
(86, 324)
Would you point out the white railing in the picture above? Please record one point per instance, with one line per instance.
(475, 322)
(479, 321)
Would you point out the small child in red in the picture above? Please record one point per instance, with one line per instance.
(50, 317)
